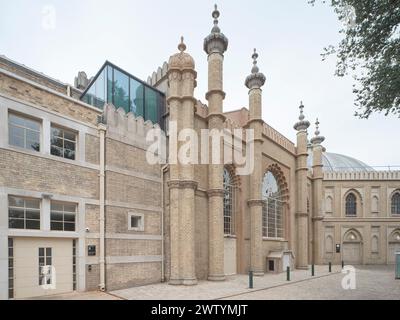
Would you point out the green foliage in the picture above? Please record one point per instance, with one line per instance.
(370, 50)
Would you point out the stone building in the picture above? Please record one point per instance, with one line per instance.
(82, 208)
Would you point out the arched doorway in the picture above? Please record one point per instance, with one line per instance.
(352, 247)
(393, 246)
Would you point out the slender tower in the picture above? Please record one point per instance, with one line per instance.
(301, 189)
(254, 82)
(215, 44)
(182, 81)
(317, 194)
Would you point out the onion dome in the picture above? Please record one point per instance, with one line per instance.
(215, 41)
(181, 60)
(301, 124)
(317, 139)
(256, 79)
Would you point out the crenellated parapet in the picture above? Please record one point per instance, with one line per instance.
(126, 126)
(159, 75)
(278, 138)
(362, 175)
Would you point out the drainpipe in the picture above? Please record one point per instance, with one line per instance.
(102, 131)
(163, 169)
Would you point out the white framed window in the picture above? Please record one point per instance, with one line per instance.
(23, 132)
(135, 221)
(229, 204)
(63, 142)
(62, 216)
(272, 210)
(23, 213)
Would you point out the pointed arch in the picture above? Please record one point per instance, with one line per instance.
(352, 203)
(395, 236)
(352, 235)
(275, 196)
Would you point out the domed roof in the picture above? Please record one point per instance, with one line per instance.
(181, 60)
(339, 162)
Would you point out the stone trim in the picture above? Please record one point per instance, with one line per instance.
(181, 99)
(215, 91)
(182, 184)
(215, 193)
(132, 173)
(133, 206)
(132, 259)
(125, 236)
(220, 115)
(255, 202)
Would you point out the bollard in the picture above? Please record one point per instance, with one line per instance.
(312, 270)
(250, 279)
(288, 273)
(330, 266)
(342, 264)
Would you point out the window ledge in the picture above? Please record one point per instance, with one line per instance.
(232, 236)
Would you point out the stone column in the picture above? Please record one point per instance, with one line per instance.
(182, 81)
(301, 192)
(318, 176)
(254, 82)
(215, 44)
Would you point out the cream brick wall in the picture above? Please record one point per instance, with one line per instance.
(125, 275)
(92, 149)
(31, 172)
(119, 247)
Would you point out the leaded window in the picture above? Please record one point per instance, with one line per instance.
(396, 203)
(351, 205)
(272, 214)
(229, 204)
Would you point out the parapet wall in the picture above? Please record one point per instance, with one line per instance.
(362, 175)
(277, 137)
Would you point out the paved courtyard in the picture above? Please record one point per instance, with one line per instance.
(372, 282)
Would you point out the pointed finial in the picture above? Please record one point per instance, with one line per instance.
(182, 45)
(301, 117)
(317, 128)
(215, 15)
(255, 67)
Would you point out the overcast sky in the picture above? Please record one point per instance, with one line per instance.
(140, 35)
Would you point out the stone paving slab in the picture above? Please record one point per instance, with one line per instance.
(207, 290)
(91, 295)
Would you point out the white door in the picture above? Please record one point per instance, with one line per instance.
(230, 256)
(29, 254)
(393, 248)
(352, 253)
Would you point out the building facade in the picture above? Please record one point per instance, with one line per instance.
(82, 208)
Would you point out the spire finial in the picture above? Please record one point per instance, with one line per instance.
(255, 67)
(182, 45)
(317, 128)
(301, 117)
(215, 15)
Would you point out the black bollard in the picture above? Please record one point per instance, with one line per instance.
(330, 266)
(342, 264)
(288, 273)
(312, 270)
(250, 279)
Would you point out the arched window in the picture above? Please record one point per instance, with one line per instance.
(229, 204)
(351, 205)
(272, 222)
(396, 203)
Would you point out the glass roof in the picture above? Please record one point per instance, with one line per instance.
(339, 162)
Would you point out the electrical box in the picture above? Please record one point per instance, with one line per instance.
(338, 248)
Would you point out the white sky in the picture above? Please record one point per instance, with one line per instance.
(139, 35)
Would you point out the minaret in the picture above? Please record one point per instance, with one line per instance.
(215, 44)
(301, 189)
(254, 82)
(182, 81)
(317, 194)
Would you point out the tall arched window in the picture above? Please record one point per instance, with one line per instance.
(229, 204)
(396, 203)
(351, 205)
(272, 223)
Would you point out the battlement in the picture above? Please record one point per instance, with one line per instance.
(279, 138)
(362, 175)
